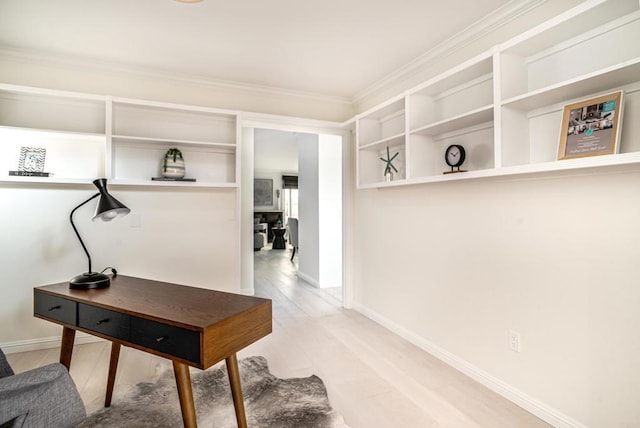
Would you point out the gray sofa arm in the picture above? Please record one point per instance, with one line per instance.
(42, 397)
(5, 368)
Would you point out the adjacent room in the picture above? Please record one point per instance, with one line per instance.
(320, 214)
(275, 188)
(298, 199)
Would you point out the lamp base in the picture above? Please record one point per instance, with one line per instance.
(89, 280)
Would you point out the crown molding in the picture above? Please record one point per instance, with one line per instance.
(46, 58)
(486, 25)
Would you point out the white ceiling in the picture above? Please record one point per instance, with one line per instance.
(328, 47)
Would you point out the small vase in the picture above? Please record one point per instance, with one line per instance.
(388, 175)
(173, 164)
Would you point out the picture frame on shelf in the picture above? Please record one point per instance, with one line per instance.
(262, 191)
(591, 127)
(32, 159)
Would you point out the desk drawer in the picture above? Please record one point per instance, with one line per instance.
(168, 339)
(104, 321)
(55, 308)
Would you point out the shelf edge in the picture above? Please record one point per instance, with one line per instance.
(519, 170)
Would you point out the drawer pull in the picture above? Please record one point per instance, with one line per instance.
(160, 338)
(53, 308)
(106, 320)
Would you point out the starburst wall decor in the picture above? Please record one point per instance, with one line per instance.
(388, 175)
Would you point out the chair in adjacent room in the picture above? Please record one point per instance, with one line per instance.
(259, 235)
(292, 225)
(42, 397)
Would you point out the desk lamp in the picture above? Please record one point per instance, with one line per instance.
(108, 208)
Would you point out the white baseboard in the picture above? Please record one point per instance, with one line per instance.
(310, 280)
(307, 278)
(536, 407)
(45, 343)
(249, 291)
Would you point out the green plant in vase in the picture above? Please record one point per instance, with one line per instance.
(173, 164)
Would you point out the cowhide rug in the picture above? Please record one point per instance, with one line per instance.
(269, 401)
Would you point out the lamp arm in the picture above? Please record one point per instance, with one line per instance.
(76, 230)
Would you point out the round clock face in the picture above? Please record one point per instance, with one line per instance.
(454, 155)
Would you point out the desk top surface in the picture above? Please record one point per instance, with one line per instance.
(191, 307)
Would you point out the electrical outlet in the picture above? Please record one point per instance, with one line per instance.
(514, 341)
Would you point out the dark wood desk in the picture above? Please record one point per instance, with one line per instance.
(190, 326)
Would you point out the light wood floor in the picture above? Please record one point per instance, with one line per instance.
(374, 378)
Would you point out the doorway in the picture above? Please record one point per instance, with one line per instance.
(306, 172)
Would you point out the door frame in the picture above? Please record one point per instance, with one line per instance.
(291, 124)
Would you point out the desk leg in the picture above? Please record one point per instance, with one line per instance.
(183, 381)
(68, 337)
(113, 367)
(236, 389)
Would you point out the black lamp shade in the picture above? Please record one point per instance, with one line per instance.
(108, 207)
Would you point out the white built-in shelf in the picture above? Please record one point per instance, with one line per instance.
(172, 142)
(464, 120)
(71, 157)
(45, 180)
(202, 184)
(391, 141)
(56, 132)
(477, 68)
(589, 18)
(602, 80)
(35, 108)
(503, 105)
(142, 131)
(376, 130)
(52, 180)
(88, 136)
(619, 160)
(509, 118)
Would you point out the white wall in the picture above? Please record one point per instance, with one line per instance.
(320, 208)
(308, 202)
(246, 212)
(330, 209)
(454, 266)
(186, 237)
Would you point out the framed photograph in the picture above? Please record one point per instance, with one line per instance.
(262, 191)
(32, 159)
(591, 127)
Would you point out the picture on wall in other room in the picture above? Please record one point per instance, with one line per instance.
(262, 191)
